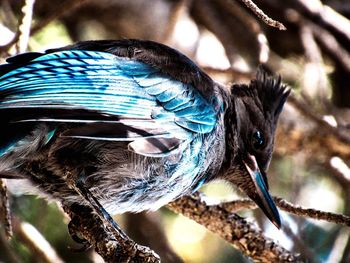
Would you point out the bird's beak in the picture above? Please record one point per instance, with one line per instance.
(262, 197)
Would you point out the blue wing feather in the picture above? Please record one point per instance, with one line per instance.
(110, 85)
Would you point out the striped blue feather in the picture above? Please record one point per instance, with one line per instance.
(108, 84)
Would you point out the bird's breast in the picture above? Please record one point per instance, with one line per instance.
(148, 183)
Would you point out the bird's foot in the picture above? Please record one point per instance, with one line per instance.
(85, 245)
(145, 254)
(126, 250)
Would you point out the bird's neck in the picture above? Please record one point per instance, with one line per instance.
(231, 136)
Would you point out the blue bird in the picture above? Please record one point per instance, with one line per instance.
(133, 124)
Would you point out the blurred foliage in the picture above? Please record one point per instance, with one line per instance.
(53, 35)
(51, 223)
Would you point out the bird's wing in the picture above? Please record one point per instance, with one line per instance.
(111, 97)
(165, 59)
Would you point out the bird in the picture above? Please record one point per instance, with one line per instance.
(131, 125)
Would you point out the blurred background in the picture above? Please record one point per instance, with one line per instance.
(311, 162)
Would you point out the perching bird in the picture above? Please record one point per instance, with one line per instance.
(135, 123)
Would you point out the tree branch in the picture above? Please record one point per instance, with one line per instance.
(243, 235)
(84, 223)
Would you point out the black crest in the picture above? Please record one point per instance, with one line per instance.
(271, 92)
(266, 92)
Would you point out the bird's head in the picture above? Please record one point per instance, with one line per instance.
(250, 126)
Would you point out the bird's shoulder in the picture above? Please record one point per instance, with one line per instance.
(164, 58)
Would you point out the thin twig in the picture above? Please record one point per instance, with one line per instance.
(265, 18)
(312, 213)
(5, 216)
(24, 26)
(291, 208)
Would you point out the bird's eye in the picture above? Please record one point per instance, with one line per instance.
(258, 140)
